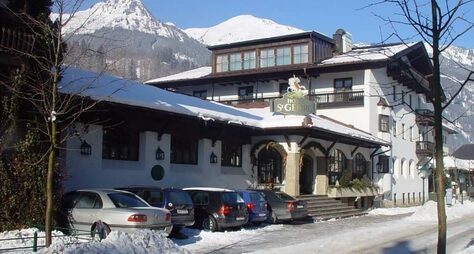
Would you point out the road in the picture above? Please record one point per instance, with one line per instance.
(367, 234)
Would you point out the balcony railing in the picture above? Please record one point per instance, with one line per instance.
(16, 40)
(424, 116)
(339, 99)
(425, 148)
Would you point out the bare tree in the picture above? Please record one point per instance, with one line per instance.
(439, 24)
(40, 87)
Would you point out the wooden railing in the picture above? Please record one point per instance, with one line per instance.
(425, 148)
(424, 116)
(339, 99)
(16, 40)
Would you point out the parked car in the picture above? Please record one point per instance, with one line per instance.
(283, 207)
(100, 211)
(177, 201)
(256, 205)
(216, 209)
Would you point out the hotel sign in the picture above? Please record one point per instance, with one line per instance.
(293, 106)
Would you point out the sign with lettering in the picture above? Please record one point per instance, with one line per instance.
(295, 101)
(293, 106)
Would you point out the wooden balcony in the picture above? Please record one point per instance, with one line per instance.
(424, 117)
(338, 99)
(16, 41)
(425, 148)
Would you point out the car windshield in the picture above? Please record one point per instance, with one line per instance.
(257, 197)
(284, 196)
(123, 200)
(155, 198)
(179, 197)
(231, 198)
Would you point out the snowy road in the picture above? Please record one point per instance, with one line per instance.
(367, 234)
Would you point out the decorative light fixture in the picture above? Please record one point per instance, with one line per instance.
(213, 158)
(160, 155)
(86, 149)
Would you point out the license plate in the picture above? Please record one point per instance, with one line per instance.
(182, 211)
(240, 218)
(299, 206)
(261, 214)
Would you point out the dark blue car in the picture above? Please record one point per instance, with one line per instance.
(256, 205)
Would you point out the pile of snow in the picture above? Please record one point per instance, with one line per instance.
(393, 211)
(142, 241)
(199, 240)
(240, 28)
(429, 212)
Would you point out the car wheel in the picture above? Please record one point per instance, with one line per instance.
(99, 230)
(210, 224)
(272, 219)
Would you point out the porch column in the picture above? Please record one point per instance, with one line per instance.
(292, 178)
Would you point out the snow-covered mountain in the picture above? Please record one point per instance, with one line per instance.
(126, 14)
(123, 37)
(240, 28)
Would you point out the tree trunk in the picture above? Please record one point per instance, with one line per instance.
(438, 127)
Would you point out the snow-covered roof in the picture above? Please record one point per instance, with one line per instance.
(453, 162)
(370, 53)
(191, 74)
(123, 91)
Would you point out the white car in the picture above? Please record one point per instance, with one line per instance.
(100, 211)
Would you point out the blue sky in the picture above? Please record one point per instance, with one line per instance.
(325, 16)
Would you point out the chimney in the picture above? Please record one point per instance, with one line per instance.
(343, 41)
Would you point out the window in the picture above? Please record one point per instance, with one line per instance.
(403, 131)
(200, 198)
(120, 144)
(359, 166)
(200, 94)
(412, 135)
(394, 128)
(267, 58)
(124, 200)
(394, 93)
(283, 88)
(383, 165)
(337, 163)
(236, 62)
(246, 92)
(283, 56)
(402, 166)
(88, 200)
(383, 123)
(409, 100)
(231, 154)
(222, 63)
(342, 84)
(249, 60)
(300, 54)
(184, 151)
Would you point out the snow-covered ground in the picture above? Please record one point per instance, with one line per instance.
(381, 230)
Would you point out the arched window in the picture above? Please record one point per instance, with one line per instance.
(402, 166)
(337, 163)
(359, 168)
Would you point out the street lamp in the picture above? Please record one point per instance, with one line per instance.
(462, 180)
(424, 171)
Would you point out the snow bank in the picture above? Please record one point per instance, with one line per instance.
(429, 211)
(200, 240)
(393, 211)
(143, 241)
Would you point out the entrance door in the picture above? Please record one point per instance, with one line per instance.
(306, 176)
(269, 167)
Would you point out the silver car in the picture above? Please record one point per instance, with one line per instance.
(100, 211)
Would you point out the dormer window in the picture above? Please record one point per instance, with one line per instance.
(300, 54)
(235, 62)
(249, 60)
(283, 56)
(267, 58)
(222, 63)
